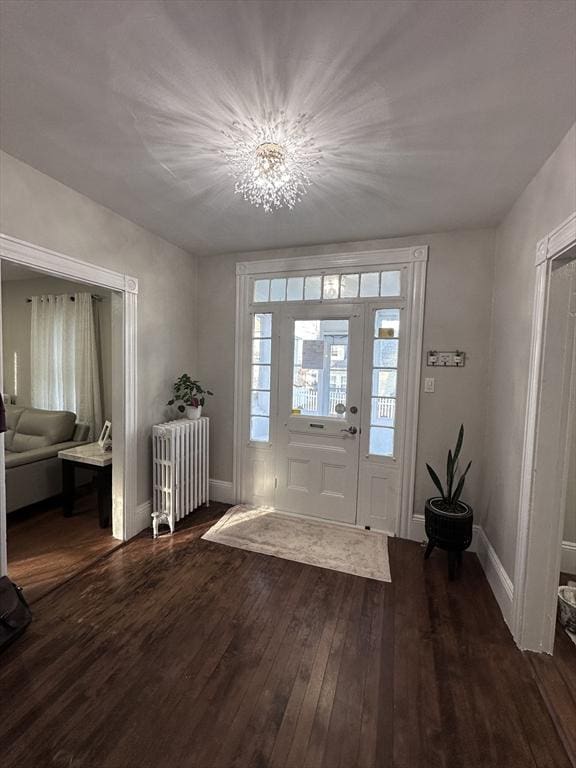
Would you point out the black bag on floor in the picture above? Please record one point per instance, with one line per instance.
(15, 614)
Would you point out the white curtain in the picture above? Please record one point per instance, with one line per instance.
(64, 358)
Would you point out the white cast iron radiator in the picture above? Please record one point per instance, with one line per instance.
(180, 469)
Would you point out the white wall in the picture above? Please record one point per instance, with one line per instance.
(16, 334)
(36, 208)
(547, 201)
(570, 516)
(457, 316)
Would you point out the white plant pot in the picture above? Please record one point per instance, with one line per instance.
(192, 412)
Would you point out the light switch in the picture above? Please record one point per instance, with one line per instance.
(428, 384)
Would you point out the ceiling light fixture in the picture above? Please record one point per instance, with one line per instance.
(271, 161)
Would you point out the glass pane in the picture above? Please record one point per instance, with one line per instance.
(278, 289)
(320, 366)
(386, 323)
(295, 288)
(349, 286)
(384, 383)
(263, 325)
(260, 405)
(390, 284)
(370, 284)
(383, 411)
(259, 429)
(386, 353)
(261, 349)
(331, 286)
(260, 377)
(312, 287)
(261, 290)
(381, 441)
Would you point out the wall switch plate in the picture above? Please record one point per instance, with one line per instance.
(428, 384)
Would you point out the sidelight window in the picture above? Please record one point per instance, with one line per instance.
(384, 381)
(261, 376)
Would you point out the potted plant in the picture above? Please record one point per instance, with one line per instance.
(448, 519)
(189, 396)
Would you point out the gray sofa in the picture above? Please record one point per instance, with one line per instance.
(32, 441)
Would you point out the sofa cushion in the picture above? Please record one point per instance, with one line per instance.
(39, 429)
(13, 413)
(8, 437)
(37, 454)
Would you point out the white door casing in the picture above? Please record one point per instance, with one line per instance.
(125, 521)
(550, 408)
(386, 484)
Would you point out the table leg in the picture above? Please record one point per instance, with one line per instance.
(68, 487)
(104, 482)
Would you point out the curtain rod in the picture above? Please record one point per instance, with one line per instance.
(94, 297)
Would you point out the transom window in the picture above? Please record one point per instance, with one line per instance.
(363, 285)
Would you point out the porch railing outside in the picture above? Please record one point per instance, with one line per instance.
(306, 398)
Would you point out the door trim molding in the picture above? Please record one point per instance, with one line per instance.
(415, 258)
(533, 629)
(125, 518)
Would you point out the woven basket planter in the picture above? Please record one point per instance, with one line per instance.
(567, 606)
(448, 530)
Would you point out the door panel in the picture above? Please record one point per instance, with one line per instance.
(320, 378)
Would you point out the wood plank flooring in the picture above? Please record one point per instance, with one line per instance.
(182, 653)
(556, 679)
(45, 548)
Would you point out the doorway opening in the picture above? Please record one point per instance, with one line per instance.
(116, 508)
(57, 363)
(551, 411)
(328, 355)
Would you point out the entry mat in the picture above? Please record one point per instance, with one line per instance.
(316, 542)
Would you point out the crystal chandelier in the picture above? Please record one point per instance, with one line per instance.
(271, 161)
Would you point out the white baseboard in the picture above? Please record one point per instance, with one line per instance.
(418, 533)
(568, 557)
(222, 490)
(499, 581)
(143, 517)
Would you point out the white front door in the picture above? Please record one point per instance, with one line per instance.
(327, 373)
(319, 410)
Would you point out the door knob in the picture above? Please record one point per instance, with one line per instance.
(350, 430)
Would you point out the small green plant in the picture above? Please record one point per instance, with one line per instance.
(188, 392)
(451, 495)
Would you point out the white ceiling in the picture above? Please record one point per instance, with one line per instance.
(431, 115)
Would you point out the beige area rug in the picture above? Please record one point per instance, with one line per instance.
(314, 542)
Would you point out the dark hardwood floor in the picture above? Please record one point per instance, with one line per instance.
(182, 653)
(45, 548)
(556, 678)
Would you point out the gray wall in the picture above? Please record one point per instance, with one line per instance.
(36, 208)
(458, 299)
(16, 333)
(547, 201)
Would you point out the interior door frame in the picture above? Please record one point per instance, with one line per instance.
(125, 523)
(538, 552)
(414, 259)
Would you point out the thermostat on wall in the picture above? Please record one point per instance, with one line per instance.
(454, 359)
